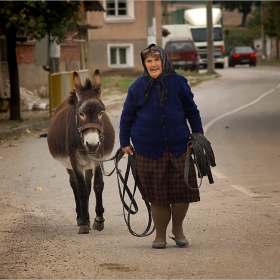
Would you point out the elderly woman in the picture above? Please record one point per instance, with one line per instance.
(155, 124)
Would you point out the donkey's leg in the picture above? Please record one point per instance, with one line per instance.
(84, 197)
(98, 187)
(88, 178)
(72, 180)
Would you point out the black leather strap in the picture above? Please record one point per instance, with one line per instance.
(122, 192)
(203, 157)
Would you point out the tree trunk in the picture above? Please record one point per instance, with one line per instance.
(13, 74)
(277, 48)
(244, 19)
(210, 43)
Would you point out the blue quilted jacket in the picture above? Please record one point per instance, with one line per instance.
(152, 129)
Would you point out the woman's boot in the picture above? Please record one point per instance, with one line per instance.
(161, 216)
(179, 211)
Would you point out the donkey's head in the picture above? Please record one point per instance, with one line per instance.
(89, 109)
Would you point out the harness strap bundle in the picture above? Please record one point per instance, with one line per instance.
(203, 157)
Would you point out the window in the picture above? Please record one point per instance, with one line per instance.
(120, 55)
(116, 8)
(200, 34)
(244, 50)
(181, 46)
(119, 10)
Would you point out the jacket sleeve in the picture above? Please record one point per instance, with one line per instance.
(127, 119)
(191, 110)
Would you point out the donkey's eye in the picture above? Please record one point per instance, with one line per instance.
(81, 114)
(100, 114)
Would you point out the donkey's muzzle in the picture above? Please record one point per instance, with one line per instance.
(92, 148)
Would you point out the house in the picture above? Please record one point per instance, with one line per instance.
(111, 35)
(127, 28)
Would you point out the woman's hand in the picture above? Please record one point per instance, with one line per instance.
(127, 150)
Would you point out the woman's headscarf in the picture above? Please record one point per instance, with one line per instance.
(167, 71)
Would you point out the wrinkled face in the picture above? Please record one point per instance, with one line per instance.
(153, 65)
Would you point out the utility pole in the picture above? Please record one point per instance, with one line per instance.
(210, 47)
(262, 32)
(54, 55)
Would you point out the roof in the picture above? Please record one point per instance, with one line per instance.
(93, 6)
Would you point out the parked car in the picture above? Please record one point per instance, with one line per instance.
(183, 54)
(242, 55)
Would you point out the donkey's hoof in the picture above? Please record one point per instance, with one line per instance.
(79, 221)
(83, 230)
(98, 226)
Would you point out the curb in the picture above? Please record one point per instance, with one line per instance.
(39, 125)
(24, 129)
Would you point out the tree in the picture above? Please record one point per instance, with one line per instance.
(243, 7)
(254, 23)
(272, 19)
(272, 22)
(36, 19)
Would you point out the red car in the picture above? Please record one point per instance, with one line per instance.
(183, 54)
(242, 55)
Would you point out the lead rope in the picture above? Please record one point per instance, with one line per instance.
(132, 207)
(137, 185)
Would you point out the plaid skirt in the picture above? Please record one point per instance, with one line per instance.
(163, 179)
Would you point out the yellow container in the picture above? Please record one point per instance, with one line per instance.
(60, 86)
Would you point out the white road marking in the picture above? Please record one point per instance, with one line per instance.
(244, 190)
(215, 171)
(209, 124)
(218, 174)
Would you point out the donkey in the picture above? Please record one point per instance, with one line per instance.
(80, 128)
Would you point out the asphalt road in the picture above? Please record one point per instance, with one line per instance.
(233, 231)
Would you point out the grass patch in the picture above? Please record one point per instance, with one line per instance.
(269, 62)
(119, 82)
(110, 85)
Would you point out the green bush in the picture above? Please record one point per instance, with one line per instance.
(237, 37)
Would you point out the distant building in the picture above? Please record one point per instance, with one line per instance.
(127, 28)
(111, 35)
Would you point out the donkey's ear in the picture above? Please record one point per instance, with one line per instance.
(77, 84)
(76, 79)
(96, 78)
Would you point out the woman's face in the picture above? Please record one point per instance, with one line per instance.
(154, 66)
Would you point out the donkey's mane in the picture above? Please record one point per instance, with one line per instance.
(87, 86)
